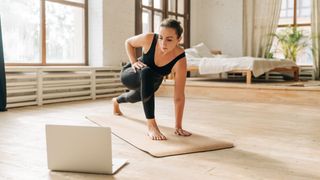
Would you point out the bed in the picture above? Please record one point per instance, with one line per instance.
(205, 61)
(249, 66)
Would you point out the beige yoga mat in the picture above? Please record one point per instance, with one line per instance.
(134, 131)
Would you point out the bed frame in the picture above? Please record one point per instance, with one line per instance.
(248, 73)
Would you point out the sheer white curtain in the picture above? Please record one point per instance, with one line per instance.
(315, 31)
(260, 19)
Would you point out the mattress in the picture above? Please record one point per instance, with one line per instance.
(258, 66)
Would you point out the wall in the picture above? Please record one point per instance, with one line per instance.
(95, 33)
(110, 24)
(119, 24)
(194, 22)
(217, 23)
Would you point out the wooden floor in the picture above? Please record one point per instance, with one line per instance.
(275, 92)
(272, 141)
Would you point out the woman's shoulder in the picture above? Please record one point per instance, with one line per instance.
(148, 39)
(149, 35)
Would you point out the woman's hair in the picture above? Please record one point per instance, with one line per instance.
(174, 24)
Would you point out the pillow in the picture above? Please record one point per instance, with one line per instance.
(191, 53)
(202, 50)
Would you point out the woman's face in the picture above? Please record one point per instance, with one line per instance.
(168, 39)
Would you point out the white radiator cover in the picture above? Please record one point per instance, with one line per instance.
(28, 85)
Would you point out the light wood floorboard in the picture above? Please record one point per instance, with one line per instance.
(272, 141)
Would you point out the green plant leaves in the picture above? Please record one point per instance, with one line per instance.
(292, 40)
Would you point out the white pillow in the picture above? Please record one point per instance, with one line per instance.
(191, 53)
(203, 50)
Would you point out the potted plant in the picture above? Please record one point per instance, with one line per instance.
(292, 41)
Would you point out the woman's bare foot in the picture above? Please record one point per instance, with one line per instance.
(181, 132)
(153, 131)
(116, 108)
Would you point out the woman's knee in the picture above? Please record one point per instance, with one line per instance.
(130, 79)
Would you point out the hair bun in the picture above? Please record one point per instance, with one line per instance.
(173, 23)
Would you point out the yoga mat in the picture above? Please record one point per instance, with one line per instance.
(134, 131)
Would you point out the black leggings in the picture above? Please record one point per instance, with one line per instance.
(142, 84)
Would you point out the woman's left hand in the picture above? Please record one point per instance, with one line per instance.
(182, 132)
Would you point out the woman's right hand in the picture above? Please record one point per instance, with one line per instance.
(138, 65)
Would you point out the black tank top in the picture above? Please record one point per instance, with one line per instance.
(148, 59)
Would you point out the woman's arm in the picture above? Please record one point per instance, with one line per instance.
(134, 42)
(180, 73)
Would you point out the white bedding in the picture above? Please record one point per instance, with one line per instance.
(258, 66)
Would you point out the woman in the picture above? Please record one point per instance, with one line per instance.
(161, 55)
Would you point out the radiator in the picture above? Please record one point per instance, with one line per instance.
(43, 85)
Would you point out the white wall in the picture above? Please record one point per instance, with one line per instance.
(194, 22)
(119, 24)
(110, 24)
(95, 33)
(217, 23)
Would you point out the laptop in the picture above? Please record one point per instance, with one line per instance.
(81, 149)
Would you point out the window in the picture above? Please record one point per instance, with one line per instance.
(21, 30)
(150, 13)
(44, 32)
(296, 13)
